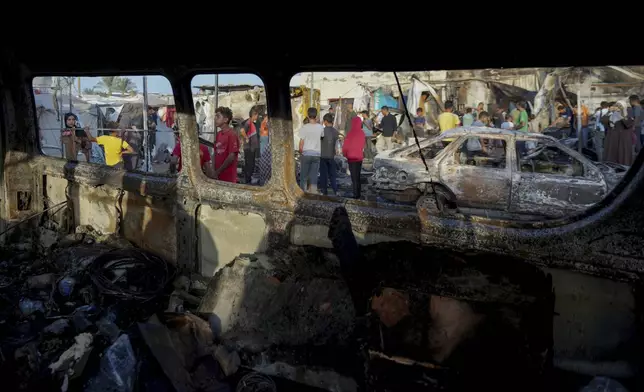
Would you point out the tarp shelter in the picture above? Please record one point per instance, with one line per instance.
(505, 93)
(93, 111)
(50, 114)
(383, 97)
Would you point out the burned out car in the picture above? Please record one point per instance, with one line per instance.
(495, 171)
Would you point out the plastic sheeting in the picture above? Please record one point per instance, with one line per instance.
(362, 101)
(414, 94)
(382, 99)
(49, 122)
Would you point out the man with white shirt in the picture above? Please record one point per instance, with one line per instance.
(310, 147)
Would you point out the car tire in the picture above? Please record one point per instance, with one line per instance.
(439, 202)
(429, 204)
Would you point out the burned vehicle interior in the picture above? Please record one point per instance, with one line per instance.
(122, 278)
(550, 159)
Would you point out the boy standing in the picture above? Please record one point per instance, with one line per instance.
(327, 155)
(226, 147)
(310, 148)
(448, 120)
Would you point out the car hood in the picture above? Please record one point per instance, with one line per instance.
(398, 159)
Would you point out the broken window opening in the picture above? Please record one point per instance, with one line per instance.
(233, 124)
(482, 152)
(124, 122)
(538, 157)
(431, 151)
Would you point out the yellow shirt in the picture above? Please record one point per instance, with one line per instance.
(516, 113)
(447, 121)
(114, 147)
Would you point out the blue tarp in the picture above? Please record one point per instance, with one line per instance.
(381, 99)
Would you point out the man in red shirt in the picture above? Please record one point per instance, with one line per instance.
(204, 155)
(226, 147)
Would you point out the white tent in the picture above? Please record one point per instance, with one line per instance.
(51, 109)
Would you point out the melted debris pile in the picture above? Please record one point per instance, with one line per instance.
(289, 315)
(71, 308)
(91, 312)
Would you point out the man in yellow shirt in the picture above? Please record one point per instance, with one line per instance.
(448, 120)
(114, 147)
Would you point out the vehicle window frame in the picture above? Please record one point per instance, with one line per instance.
(39, 144)
(208, 181)
(429, 143)
(554, 144)
(463, 139)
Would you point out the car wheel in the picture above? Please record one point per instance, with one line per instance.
(428, 204)
(439, 202)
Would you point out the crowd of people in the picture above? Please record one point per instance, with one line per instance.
(614, 131)
(320, 144)
(116, 149)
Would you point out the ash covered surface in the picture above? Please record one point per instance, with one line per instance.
(57, 322)
(392, 316)
(299, 313)
(91, 312)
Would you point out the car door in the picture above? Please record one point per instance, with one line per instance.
(478, 172)
(551, 180)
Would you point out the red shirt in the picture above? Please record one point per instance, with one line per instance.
(226, 143)
(354, 142)
(204, 154)
(251, 128)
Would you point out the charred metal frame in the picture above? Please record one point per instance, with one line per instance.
(605, 240)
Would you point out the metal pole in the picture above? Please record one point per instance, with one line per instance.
(71, 81)
(311, 105)
(214, 127)
(580, 138)
(146, 153)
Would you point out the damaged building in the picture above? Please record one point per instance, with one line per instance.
(540, 87)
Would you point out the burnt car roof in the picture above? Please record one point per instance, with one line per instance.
(489, 131)
(460, 131)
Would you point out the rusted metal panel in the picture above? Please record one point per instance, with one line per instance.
(149, 223)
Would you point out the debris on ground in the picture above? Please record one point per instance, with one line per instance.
(73, 360)
(604, 384)
(69, 304)
(95, 313)
(117, 370)
(88, 311)
(256, 382)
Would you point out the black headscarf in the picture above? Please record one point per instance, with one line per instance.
(80, 132)
(67, 116)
